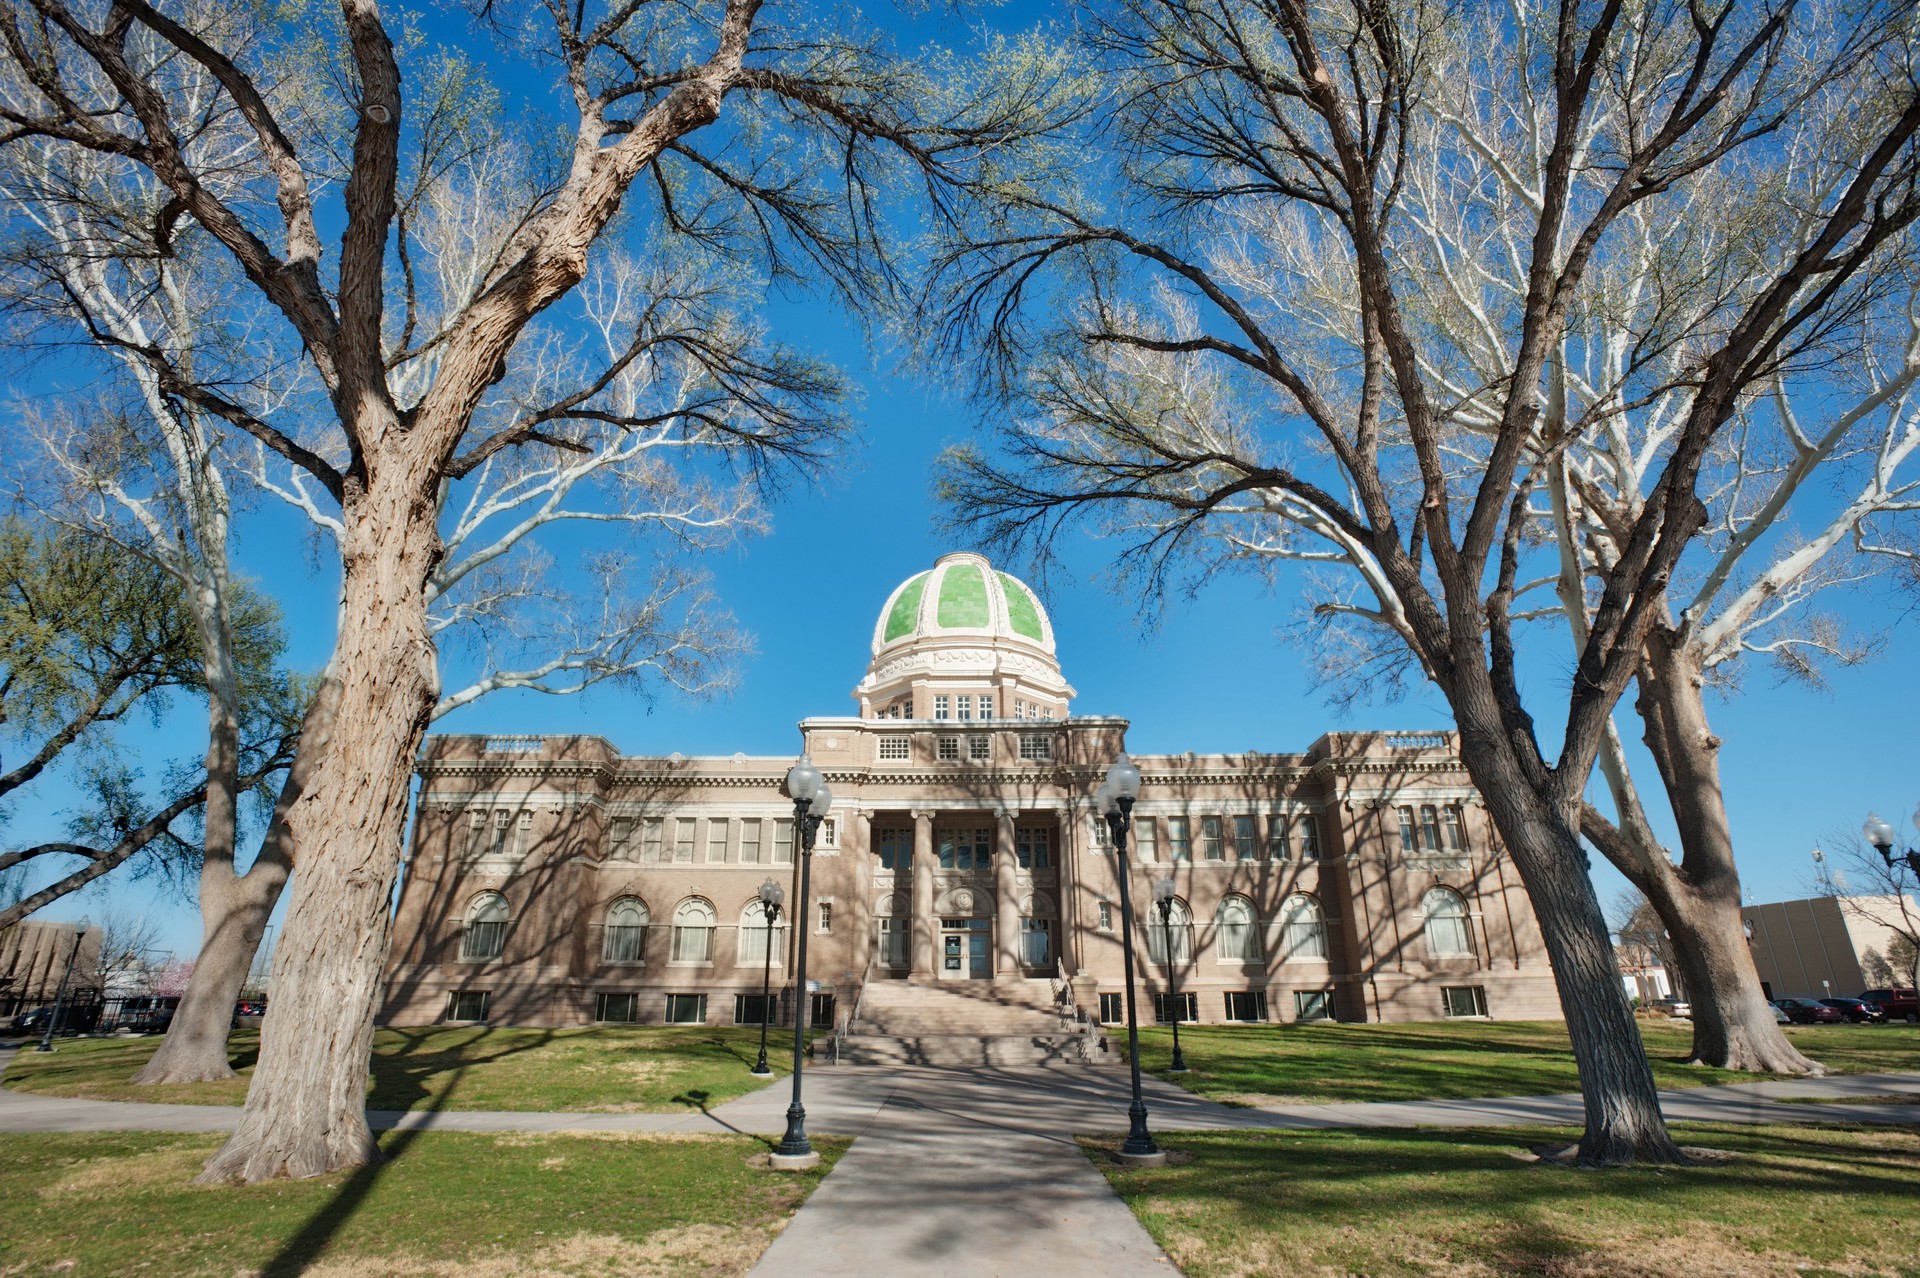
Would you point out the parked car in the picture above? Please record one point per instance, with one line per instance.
(1899, 1005)
(1779, 1017)
(1675, 1007)
(1806, 1011)
(1856, 1009)
(75, 1018)
(148, 1013)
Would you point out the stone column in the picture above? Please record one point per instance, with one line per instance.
(925, 927)
(859, 911)
(1069, 884)
(1006, 892)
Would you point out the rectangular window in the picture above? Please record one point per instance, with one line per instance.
(949, 748)
(896, 849)
(1456, 842)
(1279, 847)
(1019, 708)
(1407, 841)
(1247, 1005)
(894, 934)
(1463, 1000)
(1034, 848)
(1145, 839)
(965, 849)
(826, 917)
(964, 706)
(620, 838)
(1429, 827)
(1212, 845)
(650, 836)
(623, 942)
(467, 1005)
(829, 835)
(1036, 942)
(940, 706)
(1036, 746)
(1106, 916)
(783, 841)
(683, 841)
(750, 841)
(1245, 845)
(1309, 838)
(692, 943)
(1179, 840)
(986, 707)
(1313, 1005)
(1164, 1006)
(686, 1009)
(822, 1018)
(752, 1009)
(980, 749)
(896, 748)
(1113, 1009)
(623, 1009)
(717, 840)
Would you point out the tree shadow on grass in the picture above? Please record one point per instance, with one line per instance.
(407, 1084)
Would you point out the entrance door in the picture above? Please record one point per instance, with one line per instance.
(979, 959)
(966, 950)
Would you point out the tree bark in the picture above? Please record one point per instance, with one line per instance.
(306, 1108)
(1699, 900)
(1624, 1124)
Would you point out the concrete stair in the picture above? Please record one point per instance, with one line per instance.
(963, 1023)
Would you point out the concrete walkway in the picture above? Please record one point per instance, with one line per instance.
(975, 1171)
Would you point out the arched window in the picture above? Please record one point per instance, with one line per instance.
(626, 931)
(485, 935)
(1179, 923)
(753, 934)
(1239, 930)
(1303, 928)
(1448, 935)
(693, 932)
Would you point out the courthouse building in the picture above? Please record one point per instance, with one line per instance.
(963, 875)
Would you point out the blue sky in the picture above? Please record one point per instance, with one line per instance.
(1800, 765)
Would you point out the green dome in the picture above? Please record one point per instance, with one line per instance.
(962, 595)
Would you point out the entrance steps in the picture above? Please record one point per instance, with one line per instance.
(1010, 1021)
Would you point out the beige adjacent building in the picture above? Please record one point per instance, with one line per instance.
(1826, 946)
(963, 880)
(34, 957)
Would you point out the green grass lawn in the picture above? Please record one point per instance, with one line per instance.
(1445, 1060)
(641, 1069)
(446, 1205)
(1791, 1201)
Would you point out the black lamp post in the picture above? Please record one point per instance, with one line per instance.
(60, 998)
(811, 799)
(1163, 897)
(1882, 835)
(1115, 803)
(771, 895)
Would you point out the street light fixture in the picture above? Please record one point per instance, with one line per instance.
(1114, 801)
(811, 800)
(1163, 897)
(771, 895)
(66, 974)
(1881, 834)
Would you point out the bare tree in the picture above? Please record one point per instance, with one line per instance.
(720, 117)
(1618, 383)
(1877, 893)
(1179, 404)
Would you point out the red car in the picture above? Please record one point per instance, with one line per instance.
(1899, 1005)
(1806, 1011)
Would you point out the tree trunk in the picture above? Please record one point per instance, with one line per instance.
(1699, 900)
(234, 915)
(1624, 1124)
(306, 1108)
